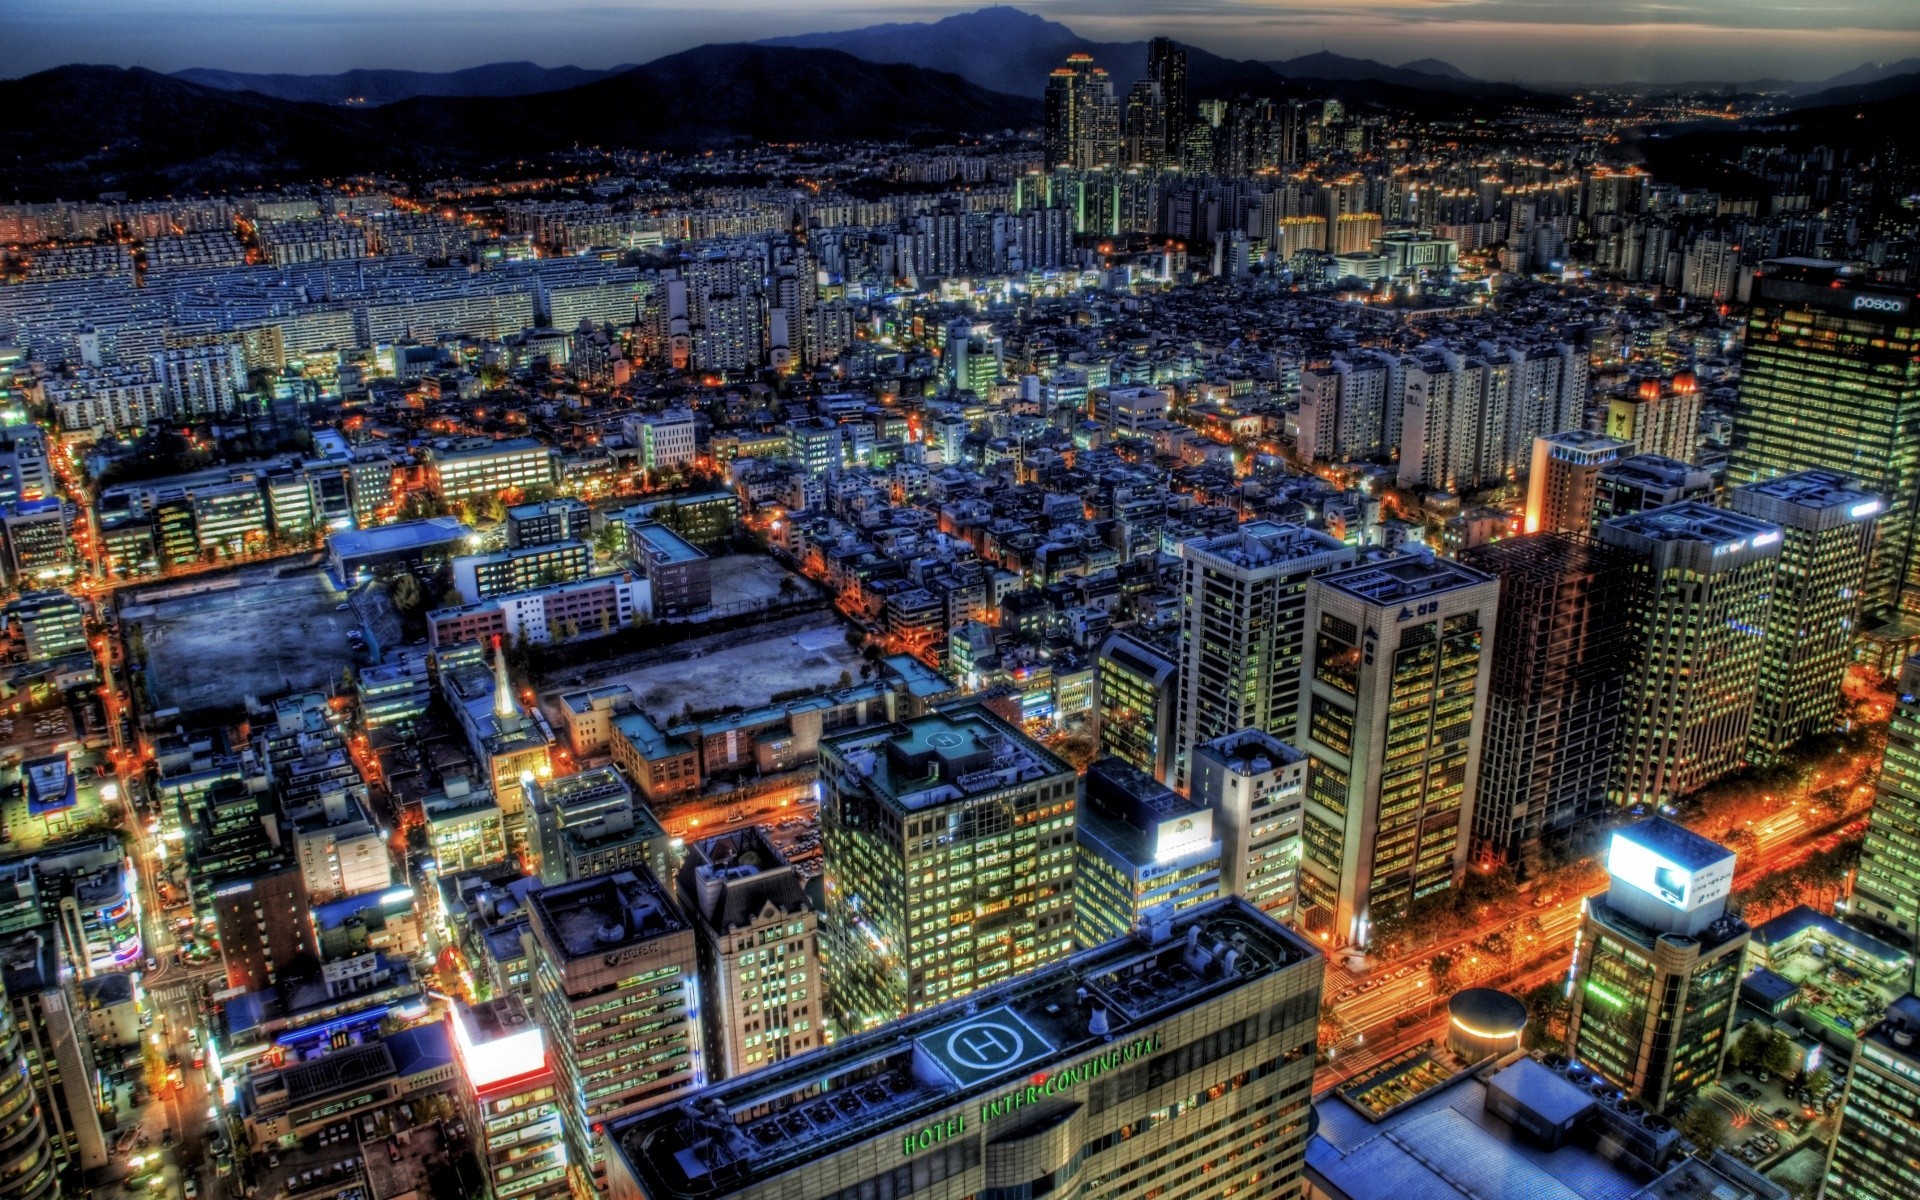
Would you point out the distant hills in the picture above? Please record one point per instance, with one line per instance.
(1865, 73)
(1011, 50)
(387, 87)
(76, 131)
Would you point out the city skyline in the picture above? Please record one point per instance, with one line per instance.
(1560, 44)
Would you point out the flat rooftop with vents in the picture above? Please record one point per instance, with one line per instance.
(736, 1134)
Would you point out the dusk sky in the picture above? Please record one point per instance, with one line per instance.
(1533, 40)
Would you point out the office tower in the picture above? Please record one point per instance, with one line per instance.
(27, 1167)
(1145, 852)
(1137, 700)
(1167, 67)
(1562, 647)
(1709, 580)
(1082, 116)
(1886, 890)
(615, 983)
(1243, 605)
(1827, 542)
(1657, 966)
(1659, 416)
(1179, 1067)
(511, 1100)
(1876, 1151)
(1830, 380)
(949, 861)
(591, 823)
(1640, 482)
(1562, 480)
(1396, 670)
(58, 1050)
(1255, 785)
(759, 953)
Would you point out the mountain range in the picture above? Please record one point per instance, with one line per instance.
(1000, 48)
(386, 87)
(76, 131)
(80, 130)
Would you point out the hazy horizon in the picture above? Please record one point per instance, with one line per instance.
(1533, 41)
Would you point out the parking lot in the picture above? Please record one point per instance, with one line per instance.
(258, 634)
(1768, 1120)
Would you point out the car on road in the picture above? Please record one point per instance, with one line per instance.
(1345, 996)
(1369, 985)
(192, 1187)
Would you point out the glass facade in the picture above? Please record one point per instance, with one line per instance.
(1876, 1153)
(1831, 384)
(1887, 887)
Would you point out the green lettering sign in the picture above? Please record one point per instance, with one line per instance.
(932, 1135)
(1068, 1077)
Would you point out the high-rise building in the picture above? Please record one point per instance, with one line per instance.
(1179, 1066)
(1560, 484)
(1167, 67)
(949, 861)
(1659, 415)
(1396, 670)
(1136, 702)
(1243, 600)
(1657, 966)
(759, 953)
(1640, 482)
(1082, 116)
(511, 1099)
(1562, 647)
(1827, 543)
(1886, 889)
(58, 1050)
(591, 823)
(615, 981)
(1145, 852)
(1146, 125)
(1876, 1151)
(1701, 636)
(1255, 786)
(1830, 380)
(27, 1167)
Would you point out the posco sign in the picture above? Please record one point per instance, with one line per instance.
(1067, 1078)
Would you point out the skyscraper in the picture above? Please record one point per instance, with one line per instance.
(615, 983)
(759, 952)
(1564, 473)
(1561, 651)
(1167, 67)
(1827, 529)
(1143, 853)
(1831, 380)
(1255, 785)
(1886, 891)
(1709, 578)
(27, 1167)
(511, 1098)
(1876, 1151)
(1657, 966)
(1396, 671)
(1142, 1069)
(1243, 597)
(1145, 125)
(949, 861)
(1137, 702)
(1082, 116)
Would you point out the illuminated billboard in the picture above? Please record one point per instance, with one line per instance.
(1647, 869)
(490, 1061)
(1187, 833)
